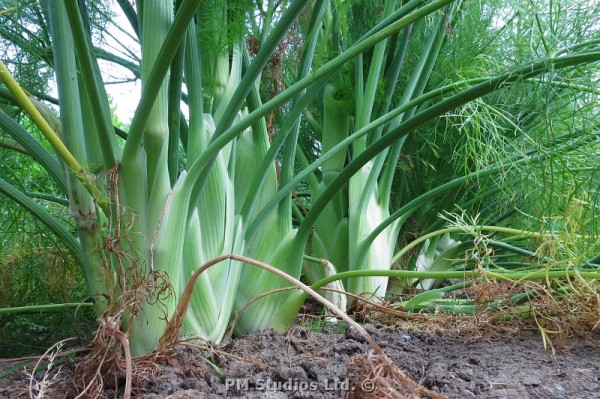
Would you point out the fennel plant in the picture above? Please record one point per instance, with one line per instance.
(220, 175)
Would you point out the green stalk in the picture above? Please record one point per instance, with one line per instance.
(131, 15)
(81, 204)
(47, 197)
(26, 105)
(540, 275)
(155, 78)
(434, 111)
(93, 83)
(158, 15)
(44, 308)
(326, 70)
(290, 145)
(417, 83)
(365, 106)
(197, 137)
(268, 20)
(174, 111)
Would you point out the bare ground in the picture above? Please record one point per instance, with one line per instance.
(303, 364)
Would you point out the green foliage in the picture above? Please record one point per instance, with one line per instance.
(35, 270)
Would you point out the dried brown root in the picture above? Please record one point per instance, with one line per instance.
(110, 358)
(377, 376)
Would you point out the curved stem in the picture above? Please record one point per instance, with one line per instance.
(172, 330)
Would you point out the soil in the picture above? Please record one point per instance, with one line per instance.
(304, 364)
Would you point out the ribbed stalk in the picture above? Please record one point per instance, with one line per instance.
(268, 311)
(166, 256)
(330, 238)
(153, 223)
(94, 88)
(197, 137)
(81, 204)
(373, 206)
(285, 253)
(417, 83)
(364, 209)
(175, 120)
(158, 15)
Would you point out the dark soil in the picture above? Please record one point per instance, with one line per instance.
(302, 364)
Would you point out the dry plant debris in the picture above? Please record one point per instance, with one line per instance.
(377, 376)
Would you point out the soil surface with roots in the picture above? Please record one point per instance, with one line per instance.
(305, 364)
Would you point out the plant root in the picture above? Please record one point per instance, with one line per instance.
(376, 376)
(110, 357)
